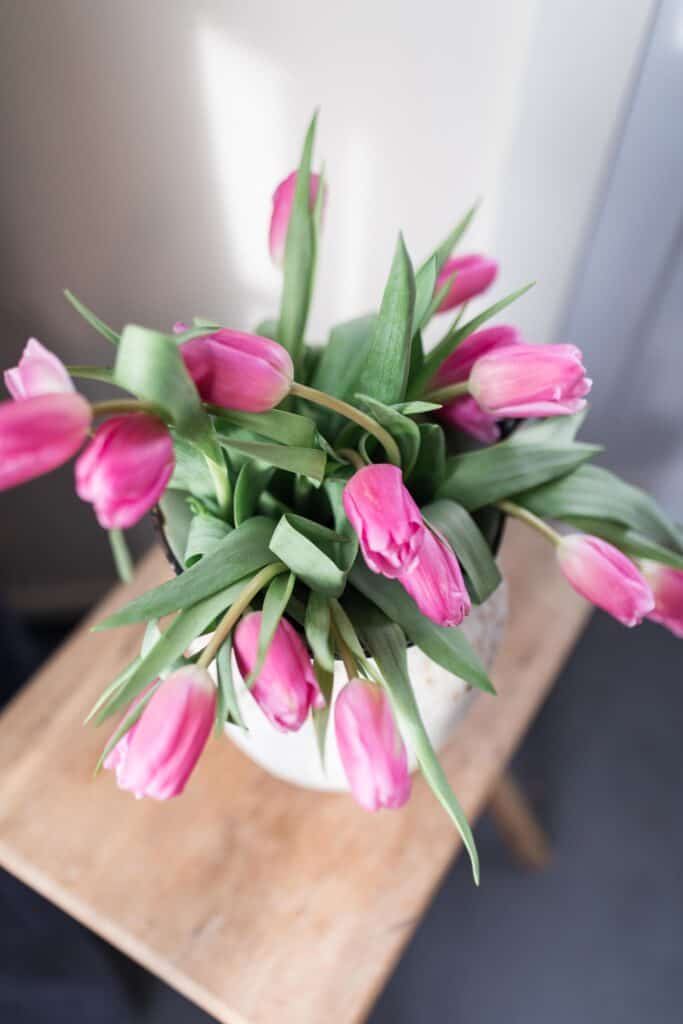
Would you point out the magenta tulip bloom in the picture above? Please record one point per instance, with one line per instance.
(606, 577)
(283, 199)
(530, 380)
(667, 588)
(239, 371)
(389, 524)
(168, 738)
(286, 686)
(371, 749)
(38, 434)
(475, 274)
(464, 413)
(40, 372)
(435, 583)
(125, 469)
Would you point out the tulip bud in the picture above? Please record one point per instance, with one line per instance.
(464, 413)
(475, 274)
(286, 686)
(283, 200)
(667, 588)
(239, 371)
(606, 577)
(40, 433)
(530, 380)
(168, 738)
(389, 524)
(125, 469)
(435, 583)
(370, 746)
(40, 372)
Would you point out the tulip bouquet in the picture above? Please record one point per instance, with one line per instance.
(337, 502)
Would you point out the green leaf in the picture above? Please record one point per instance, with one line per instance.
(404, 430)
(267, 329)
(434, 359)
(445, 645)
(388, 647)
(321, 716)
(344, 554)
(385, 371)
(317, 627)
(346, 630)
(205, 534)
(594, 493)
(342, 359)
(227, 705)
(430, 468)
(554, 430)
(415, 408)
(299, 257)
(101, 373)
(490, 474)
(126, 725)
(425, 282)
(443, 251)
(308, 462)
(121, 555)
(466, 539)
(175, 519)
(274, 604)
(306, 558)
(152, 634)
(242, 552)
(629, 541)
(104, 329)
(191, 472)
(276, 424)
(251, 482)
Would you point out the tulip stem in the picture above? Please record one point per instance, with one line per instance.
(448, 393)
(354, 457)
(530, 519)
(229, 620)
(115, 405)
(345, 653)
(350, 413)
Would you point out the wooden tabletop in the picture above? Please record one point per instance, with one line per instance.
(259, 901)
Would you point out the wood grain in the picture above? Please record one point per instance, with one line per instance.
(257, 900)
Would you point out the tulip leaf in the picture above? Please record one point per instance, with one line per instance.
(190, 472)
(425, 282)
(244, 551)
(307, 556)
(277, 425)
(444, 250)
(251, 482)
(344, 554)
(274, 604)
(404, 430)
(317, 626)
(387, 644)
(430, 468)
(204, 536)
(308, 462)
(104, 374)
(445, 645)
(490, 474)
(321, 716)
(340, 364)
(99, 325)
(468, 543)
(227, 705)
(554, 430)
(385, 371)
(267, 329)
(299, 257)
(126, 725)
(152, 634)
(415, 408)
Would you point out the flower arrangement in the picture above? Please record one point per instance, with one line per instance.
(337, 502)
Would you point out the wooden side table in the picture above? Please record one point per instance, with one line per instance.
(257, 900)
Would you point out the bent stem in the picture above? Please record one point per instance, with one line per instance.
(233, 613)
(448, 393)
(354, 457)
(350, 413)
(114, 405)
(530, 519)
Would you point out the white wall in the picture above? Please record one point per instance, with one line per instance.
(142, 141)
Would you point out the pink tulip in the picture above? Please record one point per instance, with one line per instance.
(435, 583)
(389, 524)
(283, 199)
(239, 371)
(530, 380)
(464, 413)
(286, 686)
(667, 588)
(606, 577)
(40, 372)
(116, 758)
(475, 274)
(370, 746)
(38, 434)
(125, 469)
(169, 736)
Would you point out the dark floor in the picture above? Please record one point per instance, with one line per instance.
(598, 937)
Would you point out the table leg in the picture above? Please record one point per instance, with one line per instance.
(517, 824)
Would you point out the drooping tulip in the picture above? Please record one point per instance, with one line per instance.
(667, 588)
(283, 199)
(436, 584)
(371, 749)
(385, 517)
(530, 380)
(464, 412)
(125, 468)
(38, 434)
(116, 758)
(605, 577)
(169, 736)
(239, 371)
(39, 372)
(474, 274)
(286, 686)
